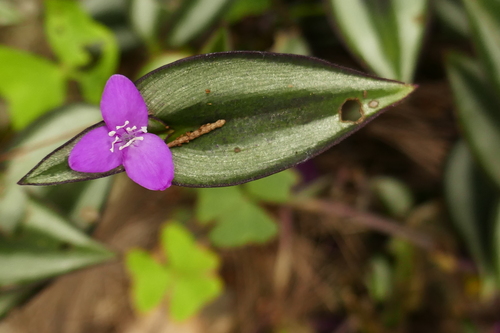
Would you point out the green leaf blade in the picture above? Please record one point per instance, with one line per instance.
(385, 35)
(280, 110)
(477, 107)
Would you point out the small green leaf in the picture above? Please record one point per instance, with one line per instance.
(183, 253)
(484, 19)
(238, 221)
(191, 293)
(395, 195)
(75, 39)
(385, 35)
(275, 188)
(31, 85)
(193, 18)
(214, 203)
(477, 106)
(150, 280)
(380, 280)
(279, 109)
(246, 224)
(39, 250)
(188, 277)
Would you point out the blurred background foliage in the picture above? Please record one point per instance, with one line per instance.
(397, 229)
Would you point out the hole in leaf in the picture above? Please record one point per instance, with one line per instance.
(352, 111)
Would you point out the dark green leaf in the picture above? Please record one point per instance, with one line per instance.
(279, 109)
(477, 106)
(484, 17)
(471, 200)
(45, 247)
(32, 144)
(385, 34)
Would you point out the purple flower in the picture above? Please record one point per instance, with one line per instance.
(124, 140)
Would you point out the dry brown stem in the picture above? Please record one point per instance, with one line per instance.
(204, 129)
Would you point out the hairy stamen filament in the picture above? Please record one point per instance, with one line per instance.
(113, 144)
(138, 138)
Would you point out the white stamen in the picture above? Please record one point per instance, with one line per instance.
(112, 133)
(130, 129)
(138, 138)
(126, 123)
(113, 144)
(144, 129)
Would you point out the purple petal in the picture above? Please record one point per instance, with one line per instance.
(92, 153)
(121, 102)
(149, 163)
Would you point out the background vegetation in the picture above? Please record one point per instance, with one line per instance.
(396, 229)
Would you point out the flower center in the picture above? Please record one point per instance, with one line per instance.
(126, 136)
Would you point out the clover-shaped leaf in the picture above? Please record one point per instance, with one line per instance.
(187, 279)
(239, 220)
(76, 40)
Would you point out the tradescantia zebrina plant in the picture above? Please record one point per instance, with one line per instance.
(279, 110)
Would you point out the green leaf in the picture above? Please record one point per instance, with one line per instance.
(395, 195)
(484, 18)
(188, 277)
(246, 224)
(239, 221)
(193, 18)
(454, 15)
(11, 298)
(182, 252)
(145, 18)
(380, 281)
(214, 203)
(477, 106)
(45, 247)
(190, 294)
(385, 34)
(30, 146)
(150, 280)
(279, 109)
(77, 40)
(31, 85)
(471, 199)
(275, 188)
